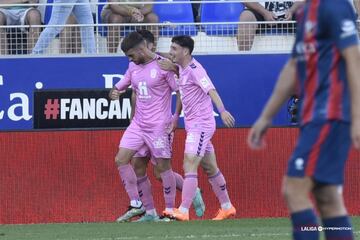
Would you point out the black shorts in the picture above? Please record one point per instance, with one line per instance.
(278, 28)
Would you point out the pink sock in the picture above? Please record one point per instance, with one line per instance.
(189, 190)
(169, 188)
(219, 187)
(144, 187)
(128, 178)
(179, 181)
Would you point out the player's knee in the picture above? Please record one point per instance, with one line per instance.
(157, 175)
(209, 169)
(329, 202)
(140, 171)
(163, 166)
(120, 161)
(191, 164)
(292, 194)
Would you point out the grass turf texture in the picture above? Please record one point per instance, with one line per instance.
(245, 229)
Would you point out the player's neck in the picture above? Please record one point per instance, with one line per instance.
(186, 62)
(149, 56)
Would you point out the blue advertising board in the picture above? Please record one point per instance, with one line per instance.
(243, 81)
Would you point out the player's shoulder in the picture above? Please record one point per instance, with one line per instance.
(132, 66)
(196, 67)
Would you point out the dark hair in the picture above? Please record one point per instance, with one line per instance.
(184, 41)
(147, 35)
(131, 41)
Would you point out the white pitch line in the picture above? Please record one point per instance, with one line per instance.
(206, 236)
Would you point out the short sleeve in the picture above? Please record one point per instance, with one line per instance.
(340, 18)
(201, 79)
(170, 78)
(125, 82)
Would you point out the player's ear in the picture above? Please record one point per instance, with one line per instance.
(186, 51)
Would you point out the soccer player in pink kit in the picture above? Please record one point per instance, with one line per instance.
(152, 124)
(197, 94)
(142, 157)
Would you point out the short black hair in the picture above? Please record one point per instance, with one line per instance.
(147, 35)
(131, 41)
(184, 41)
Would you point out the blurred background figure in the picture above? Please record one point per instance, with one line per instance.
(19, 15)
(59, 16)
(263, 11)
(127, 13)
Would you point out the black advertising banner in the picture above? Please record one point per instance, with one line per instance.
(80, 108)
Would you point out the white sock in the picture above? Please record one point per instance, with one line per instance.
(151, 212)
(226, 206)
(135, 203)
(184, 210)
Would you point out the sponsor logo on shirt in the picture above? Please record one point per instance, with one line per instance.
(348, 28)
(205, 82)
(143, 90)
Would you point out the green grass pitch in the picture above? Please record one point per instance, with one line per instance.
(244, 229)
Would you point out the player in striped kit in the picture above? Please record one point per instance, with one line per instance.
(324, 70)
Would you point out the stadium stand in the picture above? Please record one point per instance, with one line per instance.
(215, 33)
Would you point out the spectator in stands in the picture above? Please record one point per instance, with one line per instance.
(357, 7)
(70, 39)
(19, 15)
(59, 16)
(196, 7)
(263, 11)
(127, 13)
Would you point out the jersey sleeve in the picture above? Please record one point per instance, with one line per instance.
(201, 79)
(341, 21)
(125, 82)
(170, 78)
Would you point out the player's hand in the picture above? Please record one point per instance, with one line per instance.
(166, 64)
(228, 119)
(256, 134)
(173, 125)
(114, 94)
(269, 17)
(355, 134)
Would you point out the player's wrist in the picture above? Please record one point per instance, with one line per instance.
(175, 117)
(221, 109)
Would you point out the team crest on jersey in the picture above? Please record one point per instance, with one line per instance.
(205, 82)
(153, 73)
(348, 28)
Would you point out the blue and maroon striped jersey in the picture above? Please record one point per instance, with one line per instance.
(325, 28)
